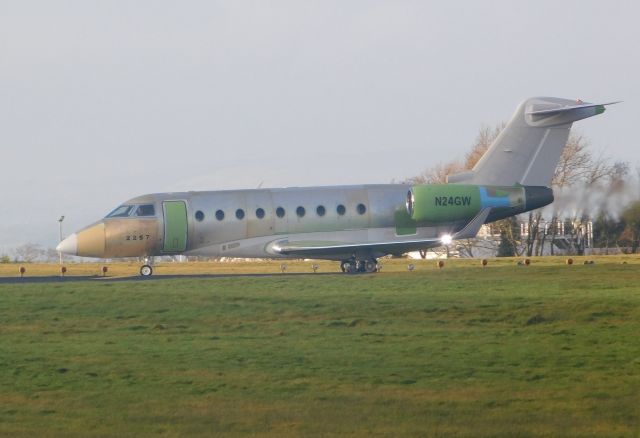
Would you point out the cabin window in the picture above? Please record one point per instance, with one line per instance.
(219, 215)
(199, 216)
(341, 210)
(260, 213)
(240, 213)
(300, 211)
(361, 209)
(122, 211)
(145, 210)
(321, 210)
(280, 212)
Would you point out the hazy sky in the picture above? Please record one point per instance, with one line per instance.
(103, 101)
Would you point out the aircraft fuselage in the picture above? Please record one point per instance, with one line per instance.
(335, 220)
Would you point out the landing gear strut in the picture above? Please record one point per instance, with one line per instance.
(146, 270)
(355, 266)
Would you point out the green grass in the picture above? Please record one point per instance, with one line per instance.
(502, 351)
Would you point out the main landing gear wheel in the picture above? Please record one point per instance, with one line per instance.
(370, 266)
(146, 270)
(348, 267)
(356, 266)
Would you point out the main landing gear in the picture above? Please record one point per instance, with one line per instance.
(146, 270)
(358, 266)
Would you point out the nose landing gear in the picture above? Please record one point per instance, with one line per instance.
(146, 270)
(359, 266)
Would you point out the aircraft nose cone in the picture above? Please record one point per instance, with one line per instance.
(69, 245)
(91, 241)
(88, 242)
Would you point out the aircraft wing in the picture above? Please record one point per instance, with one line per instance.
(309, 249)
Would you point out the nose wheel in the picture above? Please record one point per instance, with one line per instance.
(146, 270)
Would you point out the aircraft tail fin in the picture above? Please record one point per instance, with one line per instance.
(528, 149)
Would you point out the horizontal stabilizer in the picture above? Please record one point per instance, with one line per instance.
(598, 106)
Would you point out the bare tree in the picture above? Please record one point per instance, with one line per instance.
(50, 255)
(580, 167)
(631, 233)
(533, 233)
(438, 174)
(28, 252)
(465, 247)
(485, 137)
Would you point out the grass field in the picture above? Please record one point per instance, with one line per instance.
(543, 350)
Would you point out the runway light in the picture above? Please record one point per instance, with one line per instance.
(446, 239)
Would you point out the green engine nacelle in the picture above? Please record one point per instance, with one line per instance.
(453, 202)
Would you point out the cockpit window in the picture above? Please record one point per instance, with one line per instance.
(145, 210)
(122, 211)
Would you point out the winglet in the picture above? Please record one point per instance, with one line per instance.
(471, 229)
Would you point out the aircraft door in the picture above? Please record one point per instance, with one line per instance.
(175, 226)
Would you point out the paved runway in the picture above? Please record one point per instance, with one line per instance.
(71, 279)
